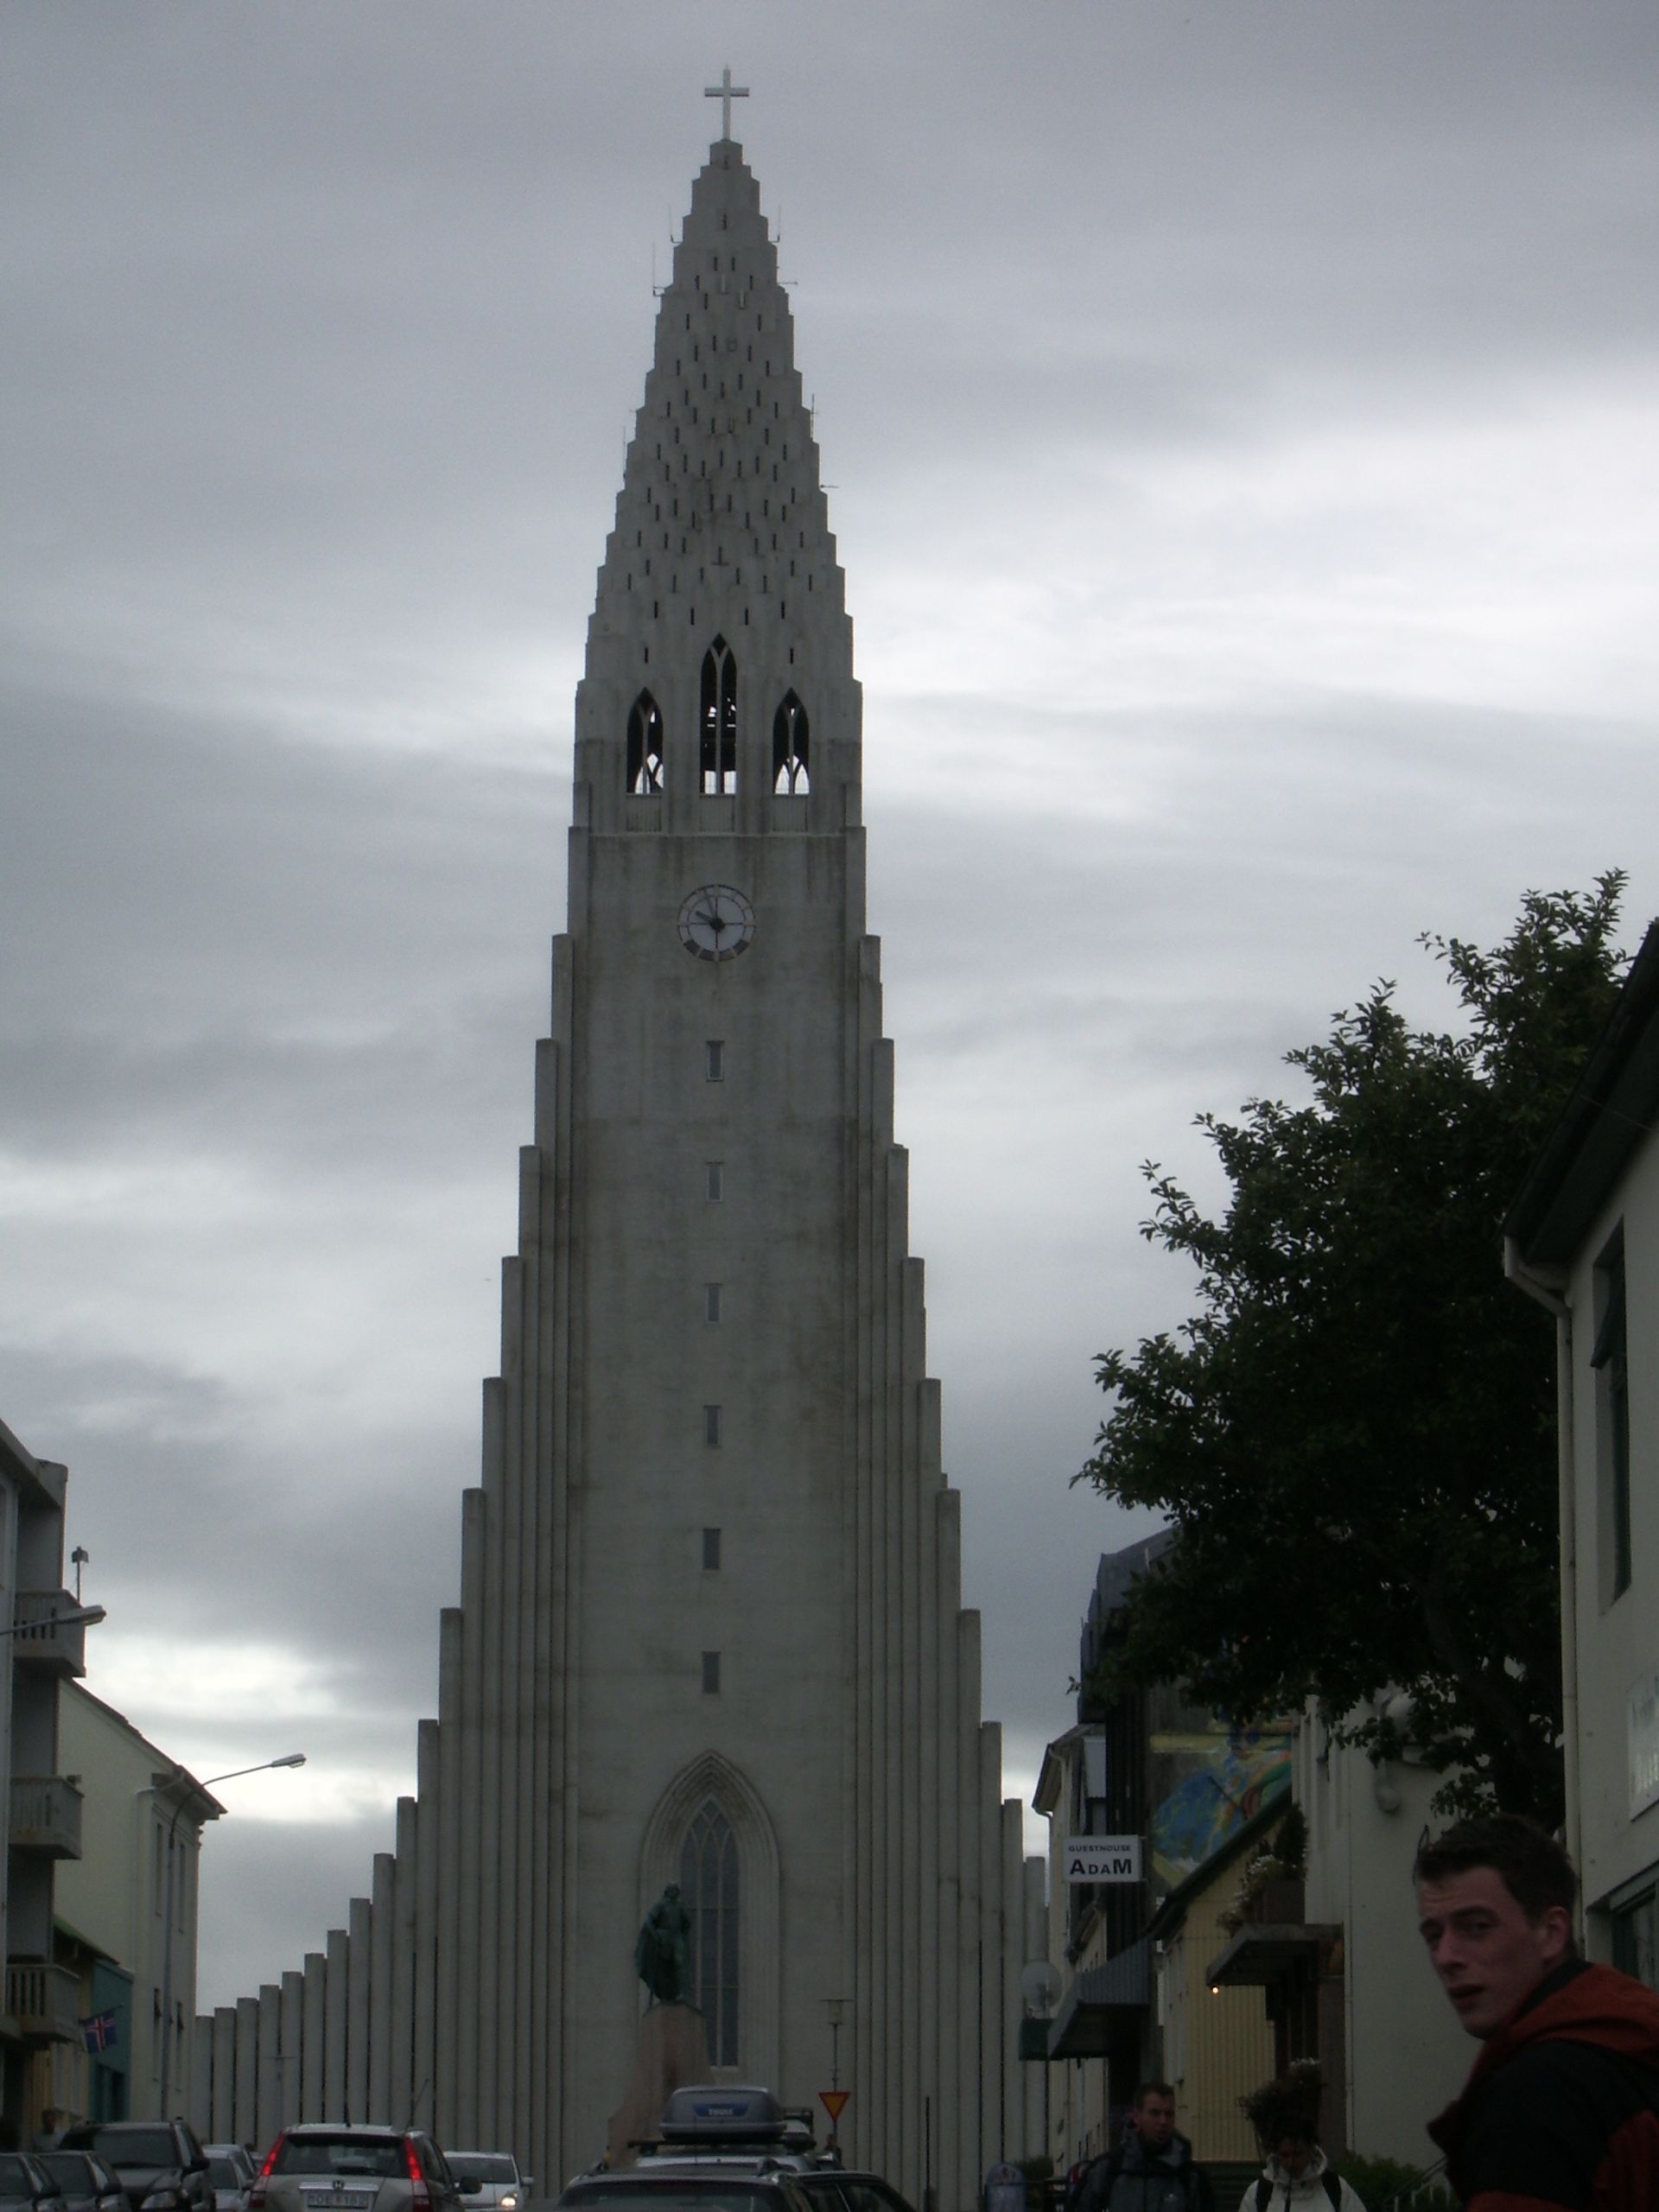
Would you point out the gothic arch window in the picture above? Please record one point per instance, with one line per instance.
(709, 1884)
(789, 742)
(717, 724)
(677, 1848)
(645, 768)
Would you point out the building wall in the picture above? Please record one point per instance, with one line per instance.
(1218, 2044)
(1616, 1841)
(1406, 2057)
(112, 1895)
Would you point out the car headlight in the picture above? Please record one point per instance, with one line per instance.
(509, 2203)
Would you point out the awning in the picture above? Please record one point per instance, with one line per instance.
(1259, 1957)
(1083, 2024)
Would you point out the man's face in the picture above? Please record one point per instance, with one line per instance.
(1292, 2153)
(1155, 2120)
(1489, 1955)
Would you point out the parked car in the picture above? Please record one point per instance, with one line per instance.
(317, 2167)
(487, 2178)
(88, 2185)
(159, 2162)
(25, 2185)
(710, 2182)
(838, 2189)
(232, 2171)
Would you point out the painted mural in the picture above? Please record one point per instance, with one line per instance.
(1216, 1779)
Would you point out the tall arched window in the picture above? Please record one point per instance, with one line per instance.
(789, 736)
(718, 725)
(709, 1885)
(645, 746)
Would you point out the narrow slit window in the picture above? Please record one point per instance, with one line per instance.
(714, 1066)
(1610, 1360)
(645, 747)
(711, 1550)
(718, 720)
(711, 1674)
(714, 1188)
(789, 749)
(711, 1426)
(711, 1300)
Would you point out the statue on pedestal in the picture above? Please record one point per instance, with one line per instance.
(661, 1954)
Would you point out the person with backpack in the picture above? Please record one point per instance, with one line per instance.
(1150, 2167)
(1298, 2176)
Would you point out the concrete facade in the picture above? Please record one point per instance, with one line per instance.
(40, 1651)
(1583, 1238)
(710, 1627)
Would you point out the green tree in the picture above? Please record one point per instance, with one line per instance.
(1354, 1434)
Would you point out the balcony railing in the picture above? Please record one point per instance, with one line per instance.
(44, 2001)
(45, 1815)
(40, 1639)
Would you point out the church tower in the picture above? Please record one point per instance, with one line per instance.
(710, 1627)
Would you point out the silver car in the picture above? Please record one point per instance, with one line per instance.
(325, 2168)
(232, 2171)
(489, 2180)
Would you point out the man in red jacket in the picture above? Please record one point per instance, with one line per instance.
(1561, 2108)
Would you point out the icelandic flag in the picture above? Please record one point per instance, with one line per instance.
(98, 2029)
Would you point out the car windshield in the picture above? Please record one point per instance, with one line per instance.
(382, 2156)
(68, 2167)
(471, 2165)
(223, 2174)
(14, 2177)
(135, 2146)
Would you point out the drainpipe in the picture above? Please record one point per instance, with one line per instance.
(1545, 1286)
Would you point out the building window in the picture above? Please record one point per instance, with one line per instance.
(714, 1065)
(711, 1424)
(1608, 1359)
(789, 744)
(714, 1188)
(717, 727)
(711, 1548)
(711, 1674)
(1636, 1938)
(709, 1884)
(645, 747)
(711, 1291)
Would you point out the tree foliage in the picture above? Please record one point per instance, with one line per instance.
(1354, 1432)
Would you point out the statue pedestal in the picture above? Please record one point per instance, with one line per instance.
(673, 2050)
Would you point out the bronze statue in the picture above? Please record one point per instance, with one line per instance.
(662, 1953)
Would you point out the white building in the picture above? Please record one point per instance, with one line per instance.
(710, 1627)
(131, 1902)
(1583, 1237)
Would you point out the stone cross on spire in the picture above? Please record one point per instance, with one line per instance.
(725, 92)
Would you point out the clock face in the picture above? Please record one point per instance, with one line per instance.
(717, 923)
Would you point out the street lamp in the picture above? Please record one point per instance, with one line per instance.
(71, 1616)
(289, 1758)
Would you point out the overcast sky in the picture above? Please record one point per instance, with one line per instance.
(1240, 428)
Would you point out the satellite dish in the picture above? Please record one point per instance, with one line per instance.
(1039, 1988)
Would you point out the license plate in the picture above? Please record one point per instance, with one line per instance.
(345, 2200)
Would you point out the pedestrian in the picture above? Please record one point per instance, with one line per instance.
(1298, 2176)
(1561, 2106)
(1150, 2168)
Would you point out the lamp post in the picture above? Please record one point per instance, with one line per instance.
(289, 1758)
(836, 2008)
